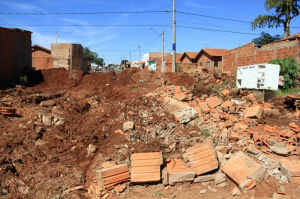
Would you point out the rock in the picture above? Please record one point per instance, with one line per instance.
(236, 191)
(50, 119)
(205, 178)
(271, 141)
(181, 177)
(182, 112)
(284, 179)
(280, 150)
(220, 178)
(91, 149)
(164, 176)
(129, 125)
(203, 191)
(279, 196)
(48, 103)
(223, 184)
(120, 188)
(252, 150)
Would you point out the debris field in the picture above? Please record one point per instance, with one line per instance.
(142, 134)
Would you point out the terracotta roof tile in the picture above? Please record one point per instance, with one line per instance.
(114, 175)
(215, 52)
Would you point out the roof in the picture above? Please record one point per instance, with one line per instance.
(16, 29)
(34, 47)
(293, 37)
(214, 52)
(191, 55)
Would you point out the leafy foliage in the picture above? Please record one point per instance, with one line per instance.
(92, 57)
(285, 11)
(265, 38)
(289, 69)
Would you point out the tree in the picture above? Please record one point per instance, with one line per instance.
(285, 11)
(124, 61)
(92, 57)
(265, 38)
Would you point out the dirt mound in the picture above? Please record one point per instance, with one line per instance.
(59, 78)
(97, 80)
(180, 79)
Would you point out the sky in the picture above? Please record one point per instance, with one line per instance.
(113, 42)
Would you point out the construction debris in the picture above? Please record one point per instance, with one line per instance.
(114, 175)
(7, 111)
(145, 167)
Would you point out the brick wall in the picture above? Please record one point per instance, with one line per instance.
(15, 53)
(249, 54)
(41, 60)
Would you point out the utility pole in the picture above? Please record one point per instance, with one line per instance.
(163, 52)
(56, 33)
(130, 55)
(174, 38)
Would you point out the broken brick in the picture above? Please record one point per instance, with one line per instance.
(7, 111)
(178, 172)
(291, 169)
(145, 167)
(233, 137)
(213, 102)
(202, 158)
(225, 92)
(243, 170)
(114, 175)
(254, 112)
(227, 104)
(294, 127)
(204, 107)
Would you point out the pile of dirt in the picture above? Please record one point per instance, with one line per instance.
(59, 78)
(180, 79)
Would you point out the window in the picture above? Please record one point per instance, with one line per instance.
(201, 63)
(208, 64)
(216, 64)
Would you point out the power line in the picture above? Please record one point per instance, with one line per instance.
(134, 34)
(111, 25)
(82, 13)
(197, 28)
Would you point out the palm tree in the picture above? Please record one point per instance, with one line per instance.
(285, 11)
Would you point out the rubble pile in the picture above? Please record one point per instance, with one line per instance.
(144, 135)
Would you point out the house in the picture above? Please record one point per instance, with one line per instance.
(41, 57)
(189, 58)
(150, 59)
(211, 58)
(15, 53)
(68, 56)
(168, 62)
(249, 54)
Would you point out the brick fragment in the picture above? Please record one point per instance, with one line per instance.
(114, 175)
(202, 158)
(213, 102)
(291, 168)
(254, 112)
(7, 111)
(178, 172)
(225, 92)
(243, 170)
(145, 167)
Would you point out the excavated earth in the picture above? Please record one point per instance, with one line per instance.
(46, 158)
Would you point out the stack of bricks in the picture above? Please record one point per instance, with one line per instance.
(114, 175)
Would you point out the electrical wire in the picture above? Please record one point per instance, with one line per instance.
(82, 13)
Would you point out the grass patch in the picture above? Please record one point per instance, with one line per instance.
(280, 92)
(206, 132)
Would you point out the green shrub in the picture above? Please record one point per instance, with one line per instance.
(289, 69)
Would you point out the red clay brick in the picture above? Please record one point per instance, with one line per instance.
(254, 112)
(213, 102)
(202, 158)
(145, 167)
(114, 175)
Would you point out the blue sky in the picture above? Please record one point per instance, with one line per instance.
(115, 42)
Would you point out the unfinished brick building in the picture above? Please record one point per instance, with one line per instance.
(41, 58)
(15, 53)
(249, 54)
